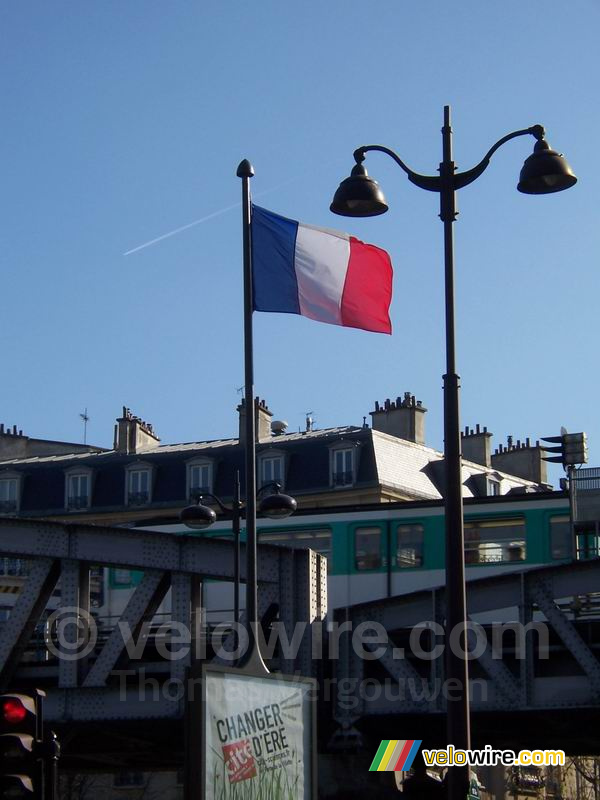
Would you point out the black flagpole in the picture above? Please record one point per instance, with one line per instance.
(252, 660)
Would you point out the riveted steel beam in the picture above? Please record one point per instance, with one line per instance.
(129, 630)
(543, 593)
(25, 614)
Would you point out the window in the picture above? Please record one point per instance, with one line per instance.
(319, 540)
(495, 541)
(367, 548)
(199, 479)
(271, 470)
(96, 587)
(409, 546)
(561, 543)
(15, 567)
(493, 487)
(9, 492)
(342, 468)
(139, 485)
(78, 490)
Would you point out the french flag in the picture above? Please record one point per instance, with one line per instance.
(319, 273)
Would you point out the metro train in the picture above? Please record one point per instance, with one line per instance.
(387, 550)
(373, 552)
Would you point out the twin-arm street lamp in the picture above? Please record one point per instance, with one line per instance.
(359, 195)
(199, 516)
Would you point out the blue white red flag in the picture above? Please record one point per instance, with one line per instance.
(319, 273)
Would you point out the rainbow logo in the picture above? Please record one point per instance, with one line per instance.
(395, 755)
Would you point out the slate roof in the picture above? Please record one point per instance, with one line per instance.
(411, 469)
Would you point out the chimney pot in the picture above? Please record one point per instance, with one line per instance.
(523, 461)
(404, 418)
(477, 446)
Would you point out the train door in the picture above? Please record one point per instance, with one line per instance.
(407, 557)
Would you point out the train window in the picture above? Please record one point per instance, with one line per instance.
(319, 540)
(409, 546)
(561, 543)
(367, 548)
(495, 541)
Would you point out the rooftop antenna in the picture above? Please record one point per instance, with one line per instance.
(85, 420)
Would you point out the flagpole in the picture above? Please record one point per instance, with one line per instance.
(252, 660)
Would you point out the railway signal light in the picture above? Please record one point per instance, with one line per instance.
(21, 764)
(571, 448)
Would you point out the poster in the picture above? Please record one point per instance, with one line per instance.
(257, 737)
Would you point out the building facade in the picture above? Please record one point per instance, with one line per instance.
(142, 480)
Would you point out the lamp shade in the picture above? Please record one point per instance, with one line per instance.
(545, 171)
(359, 196)
(197, 516)
(277, 506)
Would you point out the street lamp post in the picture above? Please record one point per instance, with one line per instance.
(359, 195)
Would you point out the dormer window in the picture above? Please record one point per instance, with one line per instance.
(199, 478)
(343, 465)
(271, 469)
(138, 491)
(10, 493)
(493, 487)
(78, 489)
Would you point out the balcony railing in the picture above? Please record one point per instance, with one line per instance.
(78, 501)
(138, 498)
(343, 478)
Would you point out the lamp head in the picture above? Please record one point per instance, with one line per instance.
(359, 196)
(278, 505)
(198, 516)
(545, 171)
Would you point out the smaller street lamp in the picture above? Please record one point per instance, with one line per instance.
(199, 516)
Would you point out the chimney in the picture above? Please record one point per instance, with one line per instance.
(521, 459)
(404, 418)
(477, 446)
(132, 434)
(262, 420)
(12, 443)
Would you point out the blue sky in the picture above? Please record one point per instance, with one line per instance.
(123, 121)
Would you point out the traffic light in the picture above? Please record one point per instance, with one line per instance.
(21, 734)
(572, 448)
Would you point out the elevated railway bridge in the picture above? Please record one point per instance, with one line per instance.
(115, 688)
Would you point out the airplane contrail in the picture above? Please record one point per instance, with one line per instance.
(198, 221)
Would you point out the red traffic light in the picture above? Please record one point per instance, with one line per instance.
(13, 711)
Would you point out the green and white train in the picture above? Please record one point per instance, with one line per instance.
(386, 550)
